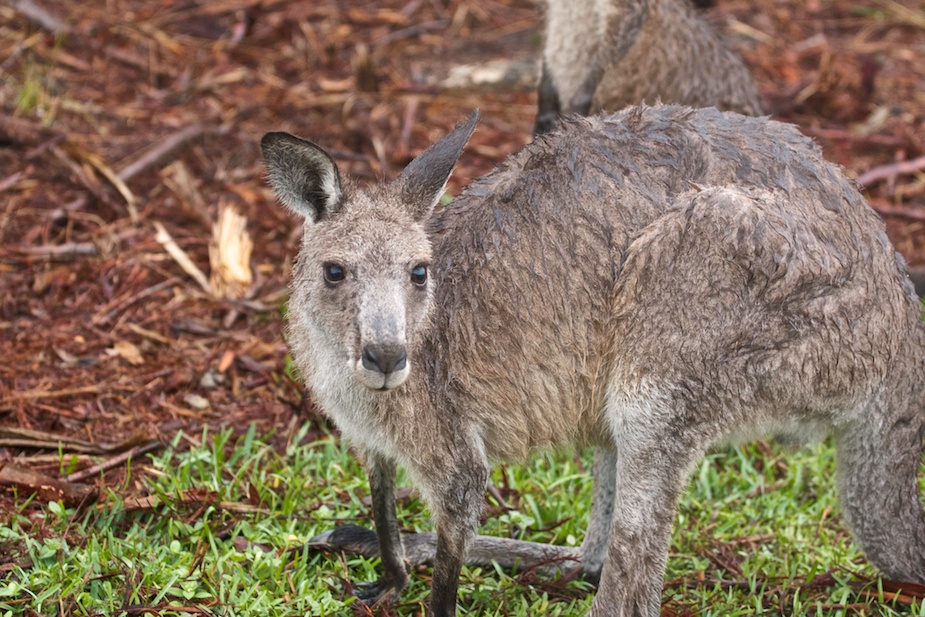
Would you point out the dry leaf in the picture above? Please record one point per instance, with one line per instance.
(128, 352)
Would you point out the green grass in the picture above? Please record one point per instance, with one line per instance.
(225, 536)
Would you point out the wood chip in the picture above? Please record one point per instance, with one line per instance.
(230, 255)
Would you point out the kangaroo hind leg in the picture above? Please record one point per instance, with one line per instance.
(878, 462)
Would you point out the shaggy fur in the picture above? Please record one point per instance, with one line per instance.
(654, 282)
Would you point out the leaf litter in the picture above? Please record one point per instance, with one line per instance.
(144, 263)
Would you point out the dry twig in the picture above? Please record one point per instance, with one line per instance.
(115, 461)
(179, 255)
(882, 172)
(160, 149)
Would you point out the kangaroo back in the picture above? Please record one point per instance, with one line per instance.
(528, 259)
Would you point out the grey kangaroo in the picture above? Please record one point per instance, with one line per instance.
(654, 283)
(607, 54)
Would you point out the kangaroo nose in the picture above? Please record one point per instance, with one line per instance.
(384, 358)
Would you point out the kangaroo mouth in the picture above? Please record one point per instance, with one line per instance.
(382, 367)
(377, 381)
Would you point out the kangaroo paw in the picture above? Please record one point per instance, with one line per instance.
(378, 592)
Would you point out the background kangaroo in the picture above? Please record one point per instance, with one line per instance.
(607, 54)
(654, 282)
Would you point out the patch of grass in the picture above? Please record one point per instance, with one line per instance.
(223, 528)
(35, 89)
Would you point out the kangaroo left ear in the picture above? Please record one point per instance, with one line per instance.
(303, 175)
(423, 181)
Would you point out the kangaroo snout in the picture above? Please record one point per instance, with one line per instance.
(383, 344)
(385, 358)
(382, 366)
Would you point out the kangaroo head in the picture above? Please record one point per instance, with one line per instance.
(361, 284)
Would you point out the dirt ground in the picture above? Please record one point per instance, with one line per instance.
(128, 125)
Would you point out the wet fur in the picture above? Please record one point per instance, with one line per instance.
(654, 282)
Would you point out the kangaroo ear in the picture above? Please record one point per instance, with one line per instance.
(303, 175)
(424, 179)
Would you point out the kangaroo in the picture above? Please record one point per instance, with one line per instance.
(607, 54)
(633, 50)
(653, 283)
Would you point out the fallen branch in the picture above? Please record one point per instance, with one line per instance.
(69, 249)
(13, 436)
(16, 437)
(882, 140)
(29, 482)
(882, 172)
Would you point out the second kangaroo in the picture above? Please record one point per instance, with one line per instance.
(654, 283)
(608, 54)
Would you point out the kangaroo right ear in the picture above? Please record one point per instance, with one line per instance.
(424, 179)
(303, 175)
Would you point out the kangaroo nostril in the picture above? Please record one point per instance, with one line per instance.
(370, 358)
(384, 358)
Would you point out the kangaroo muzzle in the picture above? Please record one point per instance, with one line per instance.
(382, 366)
(383, 362)
(384, 358)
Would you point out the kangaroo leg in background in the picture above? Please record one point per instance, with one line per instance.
(548, 104)
(622, 29)
(878, 463)
(594, 547)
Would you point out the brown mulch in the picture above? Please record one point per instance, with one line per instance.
(121, 118)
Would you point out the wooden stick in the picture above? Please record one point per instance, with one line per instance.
(69, 249)
(882, 172)
(159, 150)
(114, 461)
(34, 394)
(179, 255)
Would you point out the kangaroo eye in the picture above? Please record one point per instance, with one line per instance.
(333, 273)
(419, 275)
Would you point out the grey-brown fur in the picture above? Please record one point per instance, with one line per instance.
(603, 55)
(654, 282)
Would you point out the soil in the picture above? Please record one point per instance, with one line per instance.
(123, 118)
